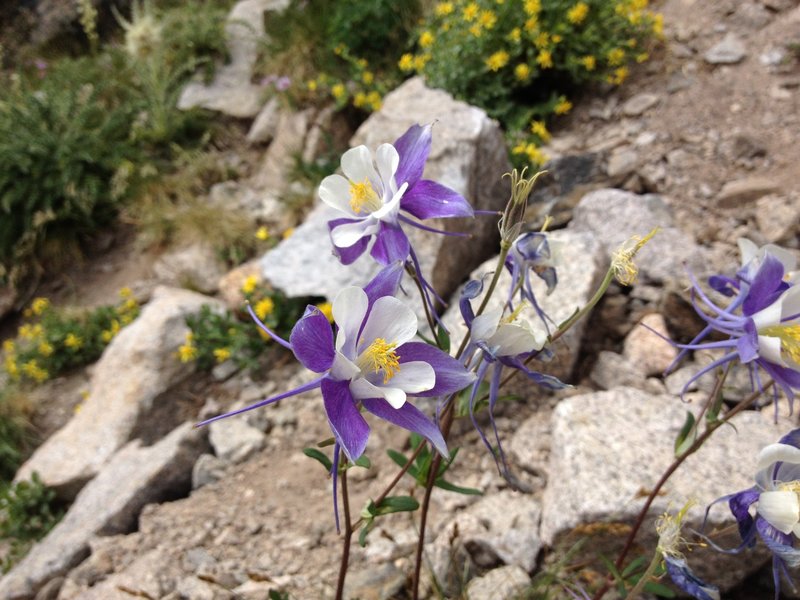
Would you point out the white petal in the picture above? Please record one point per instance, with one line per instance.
(413, 377)
(780, 509)
(770, 315)
(335, 192)
(391, 320)
(361, 389)
(388, 212)
(790, 302)
(343, 368)
(513, 339)
(484, 326)
(349, 308)
(357, 166)
(773, 453)
(747, 249)
(387, 160)
(348, 234)
(770, 348)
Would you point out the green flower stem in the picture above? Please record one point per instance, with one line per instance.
(412, 272)
(348, 534)
(710, 429)
(564, 327)
(645, 578)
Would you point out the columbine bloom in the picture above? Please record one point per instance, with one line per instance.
(530, 252)
(376, 196)
(372, 364)
(762, 322)
(771, 508)
(496, 342)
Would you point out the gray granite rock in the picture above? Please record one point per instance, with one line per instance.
(614, 216)
(777, 217)
(266, 122)
(231, 91)
(741, 192)
(614, 370)
(207, 469)
(505, 583)
(196, 267)
(645, 349)
(609, 446)
(467, 155)
(637, 105)
(234, 440)
(138, 365)
(622, 162)
(729, 51)
(109, 504)
(501, 527)
(381, 582)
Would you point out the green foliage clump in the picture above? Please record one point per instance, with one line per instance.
(215, 337)
(28, 511)
(15, 431)
(345, 50)
(61, 142)
(51, 341)
(522, 60)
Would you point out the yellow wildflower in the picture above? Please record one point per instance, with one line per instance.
(515, 34)
(616, 56)
(9, 346)
(538, 128)
(359, 100)
(658, 24)
(222, 354)
(498, 60)
(476, 30)
(589, 62)
(39, 305)
(420, 61)
(37, 331)
(519, 148)
(250, 284)
(487, 19)
(367, 77)
(125, 293)
(545, 59)
(326, 308)
(535, 156)
(362, 62)
(556, 38)
(577, 13)
(187, 353)
(532, 7)
(541, 40)
(620, 75)
(264, 335)
(262, 234)
(264, 307)
(25, 332)
(426, 39)
(338, 91)
(406, 63)
(130, 305)
(522, 72)
(311, 85)
(531, 24)
(563, 106)
(11, 367)
(642, 57)
(374, 100)
(45, 349)
(34, 371)
(470, 11)
(443, 9)
(288, 233)
(73, 341)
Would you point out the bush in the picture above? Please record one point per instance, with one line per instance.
(15, 431)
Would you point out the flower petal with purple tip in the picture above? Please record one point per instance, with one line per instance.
(428, 200)
(687, 581)
(451, 376)
(408, 417)
(349, 427)
(391, 244)
(413, 147)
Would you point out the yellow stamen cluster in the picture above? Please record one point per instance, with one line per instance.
(789, 335)
(380, 355)
(363, 195)
(622, 259)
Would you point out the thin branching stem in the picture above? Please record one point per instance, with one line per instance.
(348, 534)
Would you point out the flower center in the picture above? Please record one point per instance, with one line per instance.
(790, 486)
(789, 335)
(363, 197)
(380, 355)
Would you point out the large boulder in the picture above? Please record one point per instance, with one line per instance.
(138, 366)
(609, 447)
(231, 91)
(468, 155)
(110, 504)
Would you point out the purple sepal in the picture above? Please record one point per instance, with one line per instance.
(385, 283)
(549, 382)
(349, 427)
(428, 200)
(408, 417)
(747, 345)
(471, 290)
(312, 340)
(413, 147)
(687, 581)
(348, 256)
(766, 288)
(740, 508)
(791, 439)
(779, 543)
(391, 244)
(724, 285)
(451, 376)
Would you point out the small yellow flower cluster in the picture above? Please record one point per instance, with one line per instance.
(360, 88)
(563, 106)
(531, 151)
(264, 308)
(32, 369)
(262, 234)
(222, 354)
(498, 60)
(250, 284)
(188, 351)
(577, 14)
(538, 128)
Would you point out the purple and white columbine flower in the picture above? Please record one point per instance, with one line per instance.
(531, 252)
(376, 196)
(497, 342)
(771, 508)
(372, 364)
(762, 322)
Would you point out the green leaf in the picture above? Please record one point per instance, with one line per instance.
(443, 339)
(319, 457)
(329, 442)
(363, 461)
(446, 485)
(686, 436)
(634, 566)
(394, 504)
(658, 589)
(365, 529)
